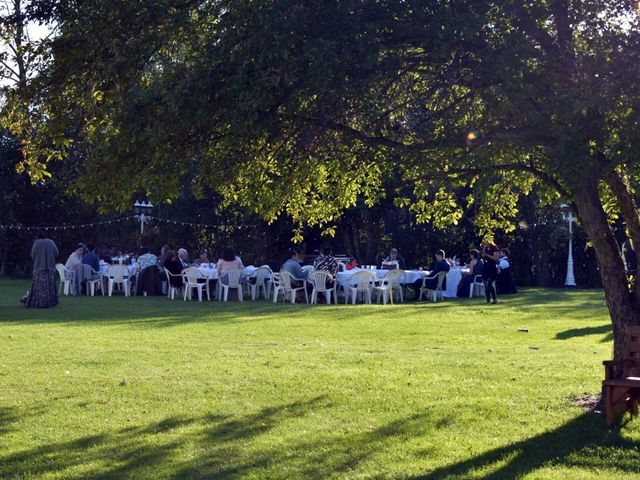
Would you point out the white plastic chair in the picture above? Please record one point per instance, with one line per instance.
(190, 277)
(285, 284)
(476, 288)
(389, 284)
(360, 283)
(261, 275)
(233, 278)
(66, 277)
(171, 291)
(119, 275)
(319, 280)
(437, 293)
(95, 280)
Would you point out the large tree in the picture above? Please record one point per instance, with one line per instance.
(303, 108)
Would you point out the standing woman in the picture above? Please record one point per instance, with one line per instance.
(490, 255)
(43, 292)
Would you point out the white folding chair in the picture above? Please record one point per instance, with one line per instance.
(171, 290)
(360, 283)
(319, 280)
(285, 284)
(66, 277)
(476, 289)
(389, 284)
(437, 293)
(119, 275)
(234, 278)
(93, 282)
(192, 278)
(261, 275)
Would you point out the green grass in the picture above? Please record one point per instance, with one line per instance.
(153, 388)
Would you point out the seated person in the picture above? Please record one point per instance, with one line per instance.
(75, 258)
(183, 257)
(74, 265)
(326, 262)
(228, 261)
(432, 283)
(393, 260)
(504, 281)
(106, 256)
(292, 265)
(90, 258)
(174, 266)
(164, 250)
(203, 258)
(353, 263)
(475, 268)
(146, 259)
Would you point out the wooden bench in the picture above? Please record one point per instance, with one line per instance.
(621, 385)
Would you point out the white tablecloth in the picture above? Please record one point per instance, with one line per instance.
(132, 270)
(410, 276)
(212, 273)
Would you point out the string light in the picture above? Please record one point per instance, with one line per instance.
(117, 220)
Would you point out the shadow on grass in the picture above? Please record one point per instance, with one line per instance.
(581, 332)
(583, 442)
(212, 446)
(230, 446)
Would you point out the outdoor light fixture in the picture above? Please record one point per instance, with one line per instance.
(142, 211)
(567, 214)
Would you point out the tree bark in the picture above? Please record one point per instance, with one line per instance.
(623, 305)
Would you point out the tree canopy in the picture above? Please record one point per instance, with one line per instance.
(303, 108)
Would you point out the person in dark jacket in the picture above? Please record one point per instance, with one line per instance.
(490, 256)
(43, 292)
(505, 284)
(475, 268)
(174, 266)
(90, 258)
(432, 283)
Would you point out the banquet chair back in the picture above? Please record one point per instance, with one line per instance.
(193, 278)
(261, 275)
(286, 285)
(65, 279)
(233, 278)
(172, 289)
(118, 275)
(319, 279)
(361, 283)
(389, 284)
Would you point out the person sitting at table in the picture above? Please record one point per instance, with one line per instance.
(164, 250)
(292, 265)
(326, 262)
(228, 261)
(74, 265)
(353, 263)
(475, 268)
(203, 258)
(183, 257)
(504, 281)
(106, 256)
(90, 258)
(432, 283)
(146, 259)
(393, 260)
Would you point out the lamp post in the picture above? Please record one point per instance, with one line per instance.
(142, 210)
(567, 214)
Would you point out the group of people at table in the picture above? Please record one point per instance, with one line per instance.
(491, 265)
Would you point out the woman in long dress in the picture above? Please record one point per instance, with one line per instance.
(43, 292)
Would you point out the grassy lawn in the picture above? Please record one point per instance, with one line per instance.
(153, 388)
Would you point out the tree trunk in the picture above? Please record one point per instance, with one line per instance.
(623, 306)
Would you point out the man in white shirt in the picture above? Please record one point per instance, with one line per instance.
(183, 256)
